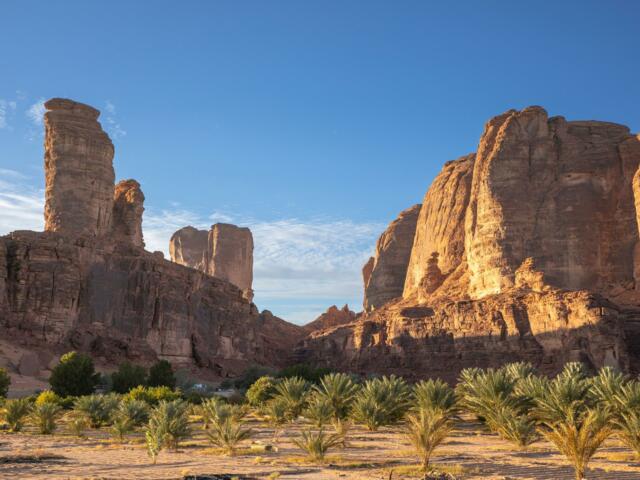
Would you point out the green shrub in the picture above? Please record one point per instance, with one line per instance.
(319, 410)
(98, 409)
(304, 371)
(44, 417)
(381, 401)
(136, 411)
(293, 392)
(276, 412)
(161, 375)
(340, 391)
(121, 426)
(77, 423)
(261, 391)
(14, 412)
(5, 382)
(74, 376)
(128, 376)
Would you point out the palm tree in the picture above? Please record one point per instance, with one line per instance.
(320, 410)
(169, 423)
(44, 417)
(340, 391)
(276, 412)
(426, 430)
(14, 413)
(227, 434)
(435, 395)
(293, 392)
(316, 443)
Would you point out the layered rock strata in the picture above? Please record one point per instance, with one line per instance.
(86, 283)
(525, 250)
(333, 317)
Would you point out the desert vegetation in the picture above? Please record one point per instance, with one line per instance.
(575, 412)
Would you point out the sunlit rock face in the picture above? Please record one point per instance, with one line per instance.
(385, 275)
(225, 252)
(79, 172)
(87, 283)
(128, 207)
(525, 250)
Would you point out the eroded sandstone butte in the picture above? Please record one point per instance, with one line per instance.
(87, 283)
(384, 274)
(225, 252)
(333, 317)
(525, 250)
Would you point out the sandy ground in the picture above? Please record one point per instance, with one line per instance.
(470, 454)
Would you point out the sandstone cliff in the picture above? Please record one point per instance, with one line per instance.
(87, 283)
(385, 275)
(525, 250)
(333, 317)
(225, 251)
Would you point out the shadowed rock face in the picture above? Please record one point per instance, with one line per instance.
(128, 207)
(526, 250)
(80, 284)
(389, 267)
(188, 247)
(79, 172)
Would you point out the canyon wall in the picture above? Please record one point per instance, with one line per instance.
(525, 250)
(87, 283)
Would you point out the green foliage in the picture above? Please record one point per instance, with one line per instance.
(168, 424)
(44, 417)
(127, 377)
(319, 410)
(5, 382)
(293, 392)
(261, 391)
(427, 429)
(227, 434)
(75, 375)
(97, 408)
(435, 396)
(48, 396)
(306, 372)
(340, 391)
(316, 443)
(77, 423)
(513, 424)
(121, 426)
(381, 401)
(153, 440)
(161, 375)
(623, 400)
(153, 395)
(14, 412)
(276, 412)
(136, 411)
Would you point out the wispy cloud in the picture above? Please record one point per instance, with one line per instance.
(7, 107)
(301, 266)
(112, 125)
(36, 111)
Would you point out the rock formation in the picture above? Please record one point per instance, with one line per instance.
(188, 247)
(526, 250)
(225, 251)
(333, 317)
(128, 206)
(386, 274)
(79, 170)
(80, 284)
(230, 255)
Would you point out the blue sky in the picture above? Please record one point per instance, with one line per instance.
(313, 123)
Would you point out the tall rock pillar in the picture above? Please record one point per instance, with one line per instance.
(78, 170)
(230, 256)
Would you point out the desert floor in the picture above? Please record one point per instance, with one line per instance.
(469, 454)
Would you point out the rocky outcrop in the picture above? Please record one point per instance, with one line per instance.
(79, 170)
(230, 255)
(526, 250)
(128, 207)
(389, 268)
(333, 317)
(81, 285)
(225, 251)
(188, 247)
